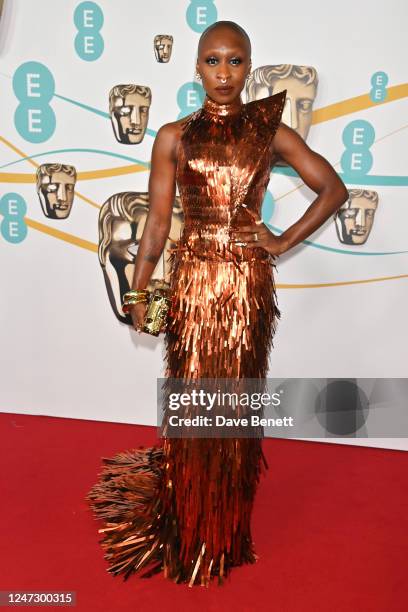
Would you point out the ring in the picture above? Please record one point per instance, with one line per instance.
(256, 237)
(259, 222)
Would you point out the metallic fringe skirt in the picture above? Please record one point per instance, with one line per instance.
(185, 507)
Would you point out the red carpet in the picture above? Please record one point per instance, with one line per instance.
(330, 525)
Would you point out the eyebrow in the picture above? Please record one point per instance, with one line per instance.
(233, 52)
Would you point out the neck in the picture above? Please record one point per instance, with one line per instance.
(222, 108)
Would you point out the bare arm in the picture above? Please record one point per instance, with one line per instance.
(162, 187)
(318, 174)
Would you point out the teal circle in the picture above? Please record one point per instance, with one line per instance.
(197, 19)
(378, 95)
(97, 46)
(367, 136)
(45, 81)
(80, 17)
(15, 200)
(26, 126)
(268, 207)
(184, 98)
(13, 227)
(13, 230)
(383, 76)
(365, 161)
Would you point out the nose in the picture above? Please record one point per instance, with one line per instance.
(135, 115)
(61, 193)
(223, 72)
(360, 217)
(293, 114)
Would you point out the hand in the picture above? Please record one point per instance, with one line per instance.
(275, 245)
(137, 313)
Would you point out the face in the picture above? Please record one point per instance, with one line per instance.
(298, 109)
(223, 62)
(130, 117)
(56, 194)
(125, 240)
(355, 220)
(163, 46)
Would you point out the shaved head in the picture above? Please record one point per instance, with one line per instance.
(224, 58)
(221, 26)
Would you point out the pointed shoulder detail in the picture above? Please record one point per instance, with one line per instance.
(275, 102)
(267, 112)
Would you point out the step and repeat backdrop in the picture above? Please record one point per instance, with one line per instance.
(85, 86)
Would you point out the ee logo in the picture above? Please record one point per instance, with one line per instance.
(190, 97)
(200, 14)
(34, 87)
(88, 20)
(379, 82)
(13, 227)
(358, 137)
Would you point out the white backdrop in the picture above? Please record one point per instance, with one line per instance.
(63, 353)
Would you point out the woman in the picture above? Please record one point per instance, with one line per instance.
(186, 507)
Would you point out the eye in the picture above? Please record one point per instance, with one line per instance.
(125, 110)
(305, 105)
(52, 187)
(144, 109)
(211, 60)
(236, 61)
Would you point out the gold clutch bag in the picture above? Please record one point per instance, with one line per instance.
(157, 313)
(158, 303)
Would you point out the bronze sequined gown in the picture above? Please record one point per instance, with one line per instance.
(184, 508)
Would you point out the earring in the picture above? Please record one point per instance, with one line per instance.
(198, 75)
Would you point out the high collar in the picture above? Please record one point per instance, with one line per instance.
(223, 110)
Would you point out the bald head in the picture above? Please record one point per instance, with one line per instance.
(224, 61)
(218, 32)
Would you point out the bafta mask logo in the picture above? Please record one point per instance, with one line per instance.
(301, 83)
(122, 219)
(355, 218)
(55, 188)
(129, 110)
(163, 45)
